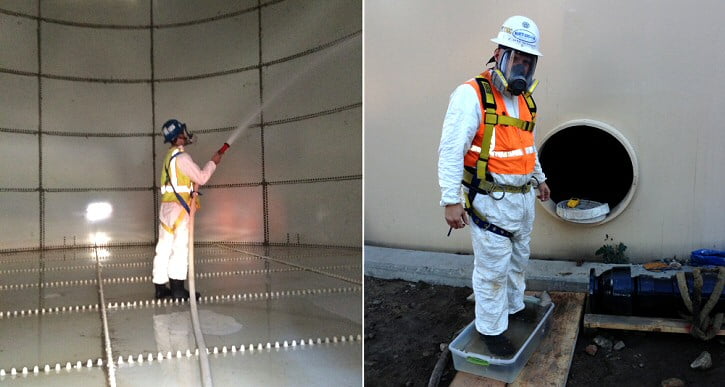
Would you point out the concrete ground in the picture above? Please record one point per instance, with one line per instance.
(455, 269)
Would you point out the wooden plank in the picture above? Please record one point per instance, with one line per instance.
(550, 363)
(464, 379)
(636, 323)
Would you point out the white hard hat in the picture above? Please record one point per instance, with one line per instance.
(519, 33)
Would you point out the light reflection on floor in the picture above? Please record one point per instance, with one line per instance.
(293, 319)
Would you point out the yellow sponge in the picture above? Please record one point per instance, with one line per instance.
(573, 202)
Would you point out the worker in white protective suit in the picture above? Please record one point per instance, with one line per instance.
(180, 176)
(487, 145)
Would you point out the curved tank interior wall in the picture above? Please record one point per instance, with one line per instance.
(647, 68)
(87, 86)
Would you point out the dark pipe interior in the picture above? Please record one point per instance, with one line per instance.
(587, 163)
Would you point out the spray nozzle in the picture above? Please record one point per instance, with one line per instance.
(223, 148)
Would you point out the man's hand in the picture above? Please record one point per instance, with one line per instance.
(217, 158)
(456, 216)
(544, 192)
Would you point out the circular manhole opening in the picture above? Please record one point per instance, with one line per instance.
(589, 160)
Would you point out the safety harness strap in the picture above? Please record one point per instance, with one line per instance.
(485, 186)
(172, 229)
(480, 220)
(490, 119)
(178, 196)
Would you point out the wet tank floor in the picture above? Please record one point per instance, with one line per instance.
(276, 316)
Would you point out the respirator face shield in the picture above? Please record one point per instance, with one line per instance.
(189, 136)
(518, 69)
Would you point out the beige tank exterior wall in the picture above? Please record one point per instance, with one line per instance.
(651, 69)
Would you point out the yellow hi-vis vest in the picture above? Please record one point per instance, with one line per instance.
(175, 179)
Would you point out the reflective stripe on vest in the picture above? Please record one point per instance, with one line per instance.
(508, 141)
(175, 179)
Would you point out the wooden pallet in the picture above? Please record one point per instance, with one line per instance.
(549, 365)
(635, 323)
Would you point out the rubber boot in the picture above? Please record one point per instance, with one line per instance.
(498, 345)
(162, 291)
(179, 292)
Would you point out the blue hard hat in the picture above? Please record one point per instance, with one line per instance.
(172, 129)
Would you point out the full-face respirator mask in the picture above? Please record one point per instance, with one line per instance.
(515, 71)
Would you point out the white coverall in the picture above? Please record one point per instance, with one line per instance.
(499, 263)
(172, 250)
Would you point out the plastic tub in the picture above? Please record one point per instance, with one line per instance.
(468, 357)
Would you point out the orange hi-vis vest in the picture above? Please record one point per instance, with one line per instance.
(502, 144)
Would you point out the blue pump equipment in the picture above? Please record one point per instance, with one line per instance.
(616, 292)
(705, 257)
